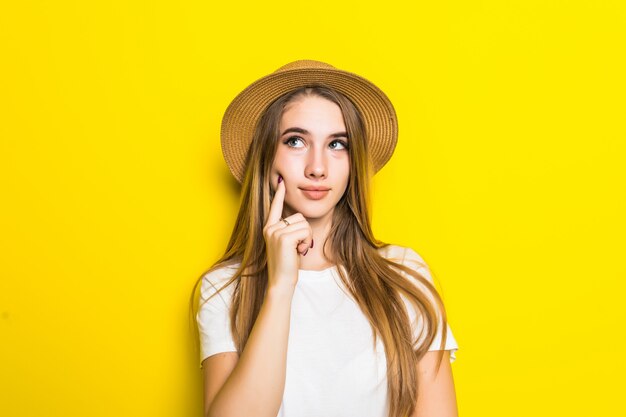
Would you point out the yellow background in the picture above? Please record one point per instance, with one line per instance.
(508, 178)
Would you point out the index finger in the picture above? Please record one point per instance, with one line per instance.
(276, 206)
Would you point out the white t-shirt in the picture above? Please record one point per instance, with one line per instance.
(332, 367)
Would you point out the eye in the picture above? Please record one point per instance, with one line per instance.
(341, 142)
(292, 139)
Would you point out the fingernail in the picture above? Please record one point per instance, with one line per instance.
(312, 241)
(280, 178)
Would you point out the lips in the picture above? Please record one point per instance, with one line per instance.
(315, 188)
(315, 193)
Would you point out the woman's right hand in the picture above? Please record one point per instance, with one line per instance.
(285, 243)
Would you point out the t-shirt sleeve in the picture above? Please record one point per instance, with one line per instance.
(213, 316)
(413, 260)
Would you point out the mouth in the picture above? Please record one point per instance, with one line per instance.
(315, 193)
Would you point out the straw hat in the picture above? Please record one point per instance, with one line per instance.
(245, 110)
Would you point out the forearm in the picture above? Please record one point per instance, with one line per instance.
(256, 385)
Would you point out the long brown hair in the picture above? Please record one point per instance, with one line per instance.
(373, 281)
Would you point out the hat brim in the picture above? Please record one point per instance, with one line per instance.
(241, 116)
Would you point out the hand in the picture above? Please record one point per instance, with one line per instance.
(285, 243)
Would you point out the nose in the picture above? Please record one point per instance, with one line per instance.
(316, 164)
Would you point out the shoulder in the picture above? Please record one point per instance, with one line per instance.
(216, 277)
(407, 256)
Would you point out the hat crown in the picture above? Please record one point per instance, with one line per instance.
(304, 64)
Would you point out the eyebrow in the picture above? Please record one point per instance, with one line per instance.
(306, 132)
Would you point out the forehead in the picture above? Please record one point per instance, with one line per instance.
(313, 110)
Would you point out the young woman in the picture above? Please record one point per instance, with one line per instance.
(307, 313)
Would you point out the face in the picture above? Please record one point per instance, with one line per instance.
(312, 152)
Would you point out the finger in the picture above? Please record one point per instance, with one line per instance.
(303, 244)
(303, 247)
(281, 228)
(276, 206)
(302, 239)
(296, 218)
(295, 222)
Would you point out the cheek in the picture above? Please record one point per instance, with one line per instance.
(287, 167)
(280, 162)
(277, 168)
(346, 174)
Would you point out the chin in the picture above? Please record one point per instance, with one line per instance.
(314, 214)
(310, 212)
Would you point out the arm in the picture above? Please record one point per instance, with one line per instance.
(215, 371)
(254, 383)
(435, 396)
